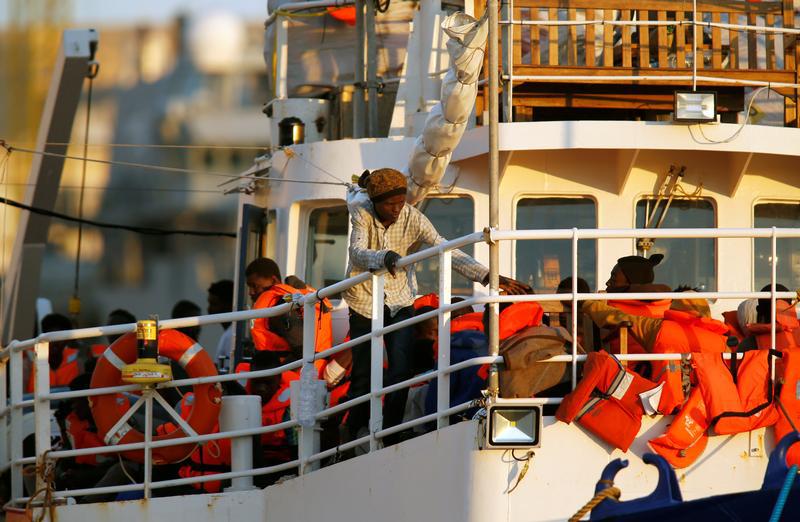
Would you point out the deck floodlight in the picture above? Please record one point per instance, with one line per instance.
(513, 423)
(695, 106)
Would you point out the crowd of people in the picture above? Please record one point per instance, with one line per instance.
(385, 229)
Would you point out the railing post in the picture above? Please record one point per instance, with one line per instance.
(574, 307)
(41, 404)
(309, 440)
(507, 14)
(148, 440)
(16, 382)
(376, 362)
(443, 377)
(774, 280)
(4, 418)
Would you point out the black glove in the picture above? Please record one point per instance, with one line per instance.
(390, 261)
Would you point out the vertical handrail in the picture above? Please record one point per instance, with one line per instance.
(443, 378)
(306, 439)
(574, 307)
(494, 194)
(41, 404)
(774, 279)
(508, 59)
(376, 362)
(16, 382)
(148, 440)
(4, 443)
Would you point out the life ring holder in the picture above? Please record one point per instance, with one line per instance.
(108, 372)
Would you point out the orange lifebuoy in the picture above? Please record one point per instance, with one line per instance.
(181, 349)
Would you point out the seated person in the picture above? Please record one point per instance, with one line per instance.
(282, 334)
(62, 359)
(80, 432)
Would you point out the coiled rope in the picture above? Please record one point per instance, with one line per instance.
(610, 492)
(46, 473)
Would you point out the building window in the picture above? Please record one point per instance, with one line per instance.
(689, 262)
(326, 250)
(544, 263)
(453, 217)
(782, 215)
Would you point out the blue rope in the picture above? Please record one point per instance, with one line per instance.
(784, 494)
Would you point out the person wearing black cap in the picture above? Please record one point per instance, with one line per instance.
(633, 270)
(384, 229)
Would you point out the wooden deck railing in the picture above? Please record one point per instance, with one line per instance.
(594, 46)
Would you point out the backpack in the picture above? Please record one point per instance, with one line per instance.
(290, 327)
(523, 376)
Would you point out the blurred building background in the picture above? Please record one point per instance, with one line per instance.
(194, 85)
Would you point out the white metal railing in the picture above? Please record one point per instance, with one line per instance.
(11, 360)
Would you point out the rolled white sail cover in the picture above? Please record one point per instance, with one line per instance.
(448, 119)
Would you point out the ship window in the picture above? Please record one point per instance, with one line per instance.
(326, 250)
(543, 263)
(686, 261)
(788, 249)
(453, 217)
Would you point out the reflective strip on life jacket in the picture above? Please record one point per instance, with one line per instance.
(606, 400)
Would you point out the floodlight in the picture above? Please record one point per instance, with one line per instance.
(695, 106)
(513, 423)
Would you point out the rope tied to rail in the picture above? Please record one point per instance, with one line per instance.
(46, 474)
(610, 492)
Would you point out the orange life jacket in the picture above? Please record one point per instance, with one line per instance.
(606, 400)
(787, 331)
(274, 412)
(684, 332)
(712, 401)
(264, 339)
(788, 372)
(97, 350)
(653, 309)
(687, 436)
(471, 321)
(81, 436)
(431, 300)
(750, 394)
(209, 458)
(519, 316)
(63, 375)
(731, 319)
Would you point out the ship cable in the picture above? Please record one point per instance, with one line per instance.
(130, 228)
(610, 492)
(164, 168)
(74, 306)
(527, 460)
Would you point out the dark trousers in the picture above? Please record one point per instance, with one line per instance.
(398, 347)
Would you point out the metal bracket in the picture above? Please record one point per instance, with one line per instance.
(487, 236)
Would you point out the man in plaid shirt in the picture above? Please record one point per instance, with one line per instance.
(384, 228)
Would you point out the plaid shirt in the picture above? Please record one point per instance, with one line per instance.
(369, 243)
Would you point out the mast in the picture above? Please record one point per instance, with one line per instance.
(494, 200)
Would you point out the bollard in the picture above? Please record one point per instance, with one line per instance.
(240, 412)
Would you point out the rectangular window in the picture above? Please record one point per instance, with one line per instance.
(689, 262)
(453, 217)
(782, 215)
(544, 263)
(326, 250)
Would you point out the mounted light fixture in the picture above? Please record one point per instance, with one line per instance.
(695, 106)
(513, 423)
